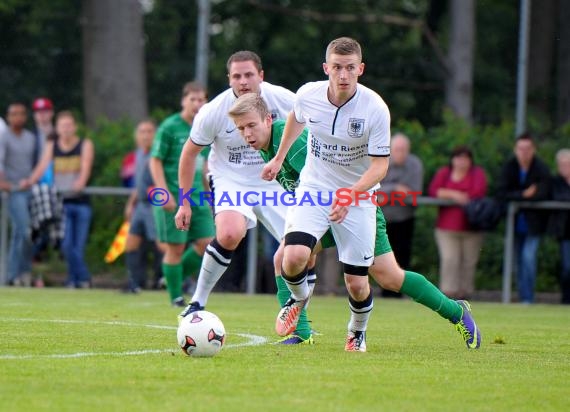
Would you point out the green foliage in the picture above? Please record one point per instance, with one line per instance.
(94, 350)
(112, 141)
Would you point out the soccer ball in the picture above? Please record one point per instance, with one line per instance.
(201, 334)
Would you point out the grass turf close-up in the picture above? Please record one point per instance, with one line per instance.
(64, 350)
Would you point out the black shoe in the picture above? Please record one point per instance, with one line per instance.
(192, 307)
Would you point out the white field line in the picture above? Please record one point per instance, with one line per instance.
(252, 340)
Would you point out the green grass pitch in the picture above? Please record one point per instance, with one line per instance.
(98, 350)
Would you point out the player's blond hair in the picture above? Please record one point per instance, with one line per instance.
(343, 46)
(247, 103)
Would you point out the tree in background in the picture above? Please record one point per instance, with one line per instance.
(461, 55)
(114, 75)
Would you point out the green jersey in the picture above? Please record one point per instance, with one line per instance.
(167, 146)
(288, 176)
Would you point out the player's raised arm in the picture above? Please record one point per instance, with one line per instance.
(292, 130)
(186, 170)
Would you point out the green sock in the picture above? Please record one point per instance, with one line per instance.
(423, 291)
(191, 262)
(173, 276)
(303, 327)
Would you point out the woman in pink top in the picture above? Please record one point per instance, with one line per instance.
(458, 245)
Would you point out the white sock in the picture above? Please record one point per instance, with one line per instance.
(359, 313)
(214, 264)
(299, 287)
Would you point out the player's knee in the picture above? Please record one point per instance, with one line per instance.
(295, 258)
(356, 280)
(298, 247)
(358, 287)
(229, 239)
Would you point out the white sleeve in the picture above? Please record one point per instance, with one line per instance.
(298, 104)
(204, 128)
(379, 139)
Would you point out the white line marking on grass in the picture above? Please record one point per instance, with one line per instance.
(253, 340)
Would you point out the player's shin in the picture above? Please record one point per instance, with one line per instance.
(360, 313)
(215, 262)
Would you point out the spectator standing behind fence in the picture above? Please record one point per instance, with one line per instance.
(458, 245)
(405, 174)
(17, 146)
(43, 130)
(138, 211)
(72, 158)
(559, 223)
(526, 177)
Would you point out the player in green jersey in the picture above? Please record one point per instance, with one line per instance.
(253, 120)
(178, 260)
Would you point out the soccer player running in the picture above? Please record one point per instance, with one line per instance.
(178, 260)
(235, 168)
(252, 118)
(349, 145)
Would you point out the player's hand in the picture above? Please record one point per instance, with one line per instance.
(183, 217)
(338, 213)
(271, 169)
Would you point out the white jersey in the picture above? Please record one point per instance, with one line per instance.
(341, 139)
(231, 157)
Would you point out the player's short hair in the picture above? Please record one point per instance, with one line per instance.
(192, 87)
(245, 56)
(249, 102)
(563, 154)
(343, 46)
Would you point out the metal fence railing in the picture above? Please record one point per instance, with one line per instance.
(508, 250)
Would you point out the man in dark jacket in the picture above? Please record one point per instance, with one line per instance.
(526, 177)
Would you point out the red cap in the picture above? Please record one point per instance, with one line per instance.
(42, 103)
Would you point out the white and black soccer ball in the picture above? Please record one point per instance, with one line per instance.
(201, 334)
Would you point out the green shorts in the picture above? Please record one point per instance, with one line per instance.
(382, 245)
(201, 225)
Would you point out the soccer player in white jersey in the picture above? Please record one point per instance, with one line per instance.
(349, 147)
(235, 168)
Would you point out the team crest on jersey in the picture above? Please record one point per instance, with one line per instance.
(355, 127)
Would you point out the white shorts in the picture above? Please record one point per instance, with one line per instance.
(354, 237)
(260, 201)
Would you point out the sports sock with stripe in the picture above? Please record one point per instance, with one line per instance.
(214, 263)
(360, 313)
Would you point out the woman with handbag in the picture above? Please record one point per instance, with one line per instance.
(458, 244)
